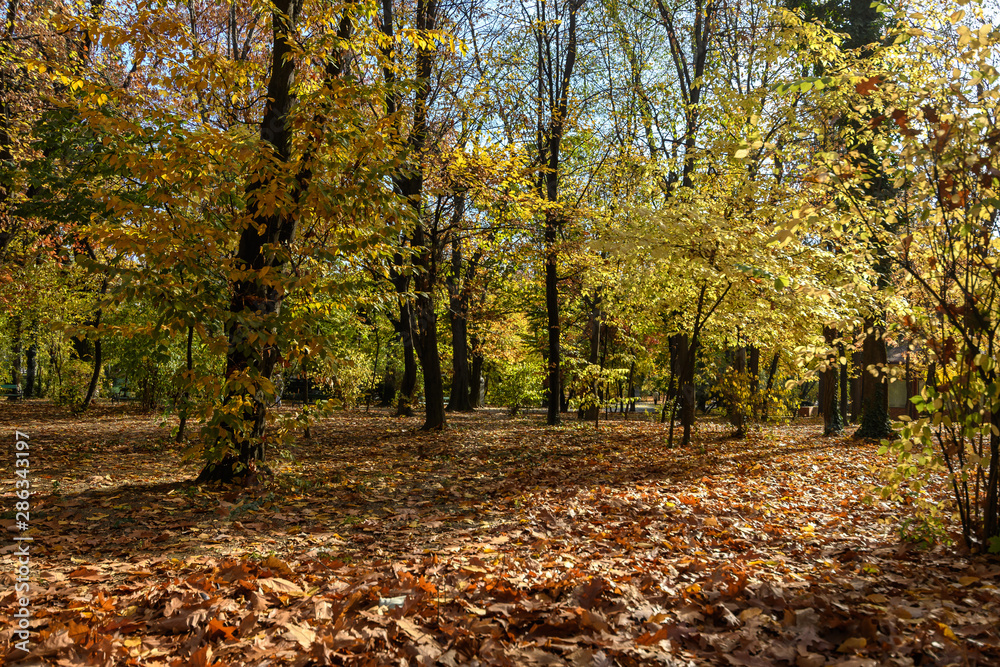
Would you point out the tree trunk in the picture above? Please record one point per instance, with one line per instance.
(553, 110)
(832, 423)
(875, 423)
(753, 365)
(185, 397)
(96, 375)
(254, 305)
(31, 377)
(430, 361)
(98, 347)
(408, 384)
(476, 380)
(372, 386)
(552, 312)
(844, 385)
(460, 399)
(737, 416)
(458, 301)
(857, 386)
(590, 414)
(771, 370)
(426, 316)
(686, 388)
(15, 356)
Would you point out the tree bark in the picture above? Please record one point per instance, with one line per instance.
(460, 399)
(476, 380)
(460, 295)
(771, 370)
(408, 383)
(254, 306)
(427, 340)
(595, 325)
(753, 364)
(15, 349)
(98, 346)
(552, 314)
(31, 370)
(552, 99)
(875, 423)
(185, 397)
(832, 422)
(686, 388)
(845, 385)
(96, 375)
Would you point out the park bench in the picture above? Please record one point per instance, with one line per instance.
(297, 390)
(11, 391)
(119, 392)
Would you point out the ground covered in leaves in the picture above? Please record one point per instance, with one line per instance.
(498, 542)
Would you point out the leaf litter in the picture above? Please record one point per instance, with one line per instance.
(498, 542)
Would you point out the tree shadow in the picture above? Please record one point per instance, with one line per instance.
(360, 468)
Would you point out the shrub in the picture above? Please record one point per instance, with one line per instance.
(518, 385)
(75, 380)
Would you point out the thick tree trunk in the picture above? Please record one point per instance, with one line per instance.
(254, 305)
(96, 375)
(185, 397)
(31, 377)
(738, 417)
(15, 353)
(676, 344)
(875, 423)
(458, 302)
(832, 422)
(426, 317)
(857, 386)
(595, 326)
(460, 399)
(687, 390)
(991, 510)
(430, 361)
(408, 384)
(476, 379)
(844, 385)
(98, 346)
(771, 370)
(552, 312)
(753, 364)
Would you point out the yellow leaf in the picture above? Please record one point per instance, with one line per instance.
(853, 644)
(947, 632)
(967, 581)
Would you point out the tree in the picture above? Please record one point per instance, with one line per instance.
(928, 129)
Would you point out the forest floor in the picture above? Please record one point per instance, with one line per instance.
(497, 542)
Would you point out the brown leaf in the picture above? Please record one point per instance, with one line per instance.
(303, 635)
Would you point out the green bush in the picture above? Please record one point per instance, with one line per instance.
(518, 385)
(748, 404)
(75, 380)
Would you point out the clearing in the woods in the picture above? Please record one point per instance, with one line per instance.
(498, 542)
